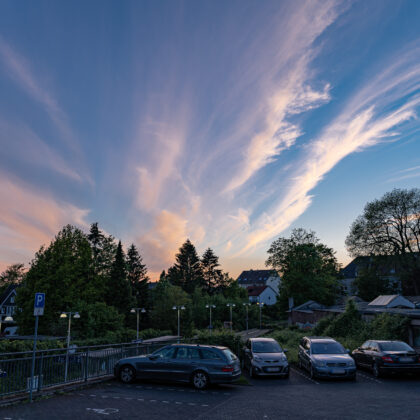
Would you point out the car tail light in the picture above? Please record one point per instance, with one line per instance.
(227, 369)
(387, 359)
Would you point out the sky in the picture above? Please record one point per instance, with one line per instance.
(226, 122)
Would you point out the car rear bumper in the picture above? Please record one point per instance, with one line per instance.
(388, 368)
(225, 379)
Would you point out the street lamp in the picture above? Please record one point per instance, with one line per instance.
(231, 305)
(68, 315)
(178, 308)
(7, 319)
(247, 305)
(210, 308)
(138, 310)
(261, 304)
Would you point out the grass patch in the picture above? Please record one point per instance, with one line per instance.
(242, 381)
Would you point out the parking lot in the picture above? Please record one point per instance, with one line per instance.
(266, 398)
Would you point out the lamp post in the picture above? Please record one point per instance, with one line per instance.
(231, 305)
(7, 319)
(68, 315)
(138, 310)
(210, 308)
(261, 304)
(178, 308)
(247, 305)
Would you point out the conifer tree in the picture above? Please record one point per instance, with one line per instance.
(137, 276)
(212, 275)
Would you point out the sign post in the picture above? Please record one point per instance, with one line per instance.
(39, 306)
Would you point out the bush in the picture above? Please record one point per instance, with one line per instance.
(220, 338)
(347, 324)
(390, 327)
(289, 339)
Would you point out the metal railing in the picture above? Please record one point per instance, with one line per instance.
(84, 363)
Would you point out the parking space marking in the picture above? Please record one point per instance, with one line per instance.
(369, 377)
(172, 389)
(304, 376)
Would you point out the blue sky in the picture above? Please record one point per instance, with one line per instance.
(229, 123)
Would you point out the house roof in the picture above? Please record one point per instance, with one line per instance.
(7, 292)
(255, 290)
(256, 276)
(383, 300)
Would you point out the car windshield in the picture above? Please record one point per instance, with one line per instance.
(266, 347)
(395, 346)
(327, 348)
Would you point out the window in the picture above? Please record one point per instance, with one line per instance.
(230, 356)
(12, 299)
(210, 354)
(187, 353)
(165, 353)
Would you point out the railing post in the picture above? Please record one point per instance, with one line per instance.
(122, 351)
(86, 364)
(40, 377)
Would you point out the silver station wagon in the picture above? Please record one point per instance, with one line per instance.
(197, 364)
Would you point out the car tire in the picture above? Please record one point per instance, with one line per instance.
(127, 374)
(200, 380)
(376, 370)
(286, 376)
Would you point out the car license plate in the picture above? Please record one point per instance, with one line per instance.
(273, 369)
(406, 359)
(338, 371)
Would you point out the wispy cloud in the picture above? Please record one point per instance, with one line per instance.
(362, 124)
(413, 172)
(30, 218)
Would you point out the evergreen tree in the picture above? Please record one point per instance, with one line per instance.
(186, 272)
(103, 250)
(212, 275)
(119, 290)
(137, 276)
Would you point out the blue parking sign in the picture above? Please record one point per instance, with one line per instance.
(39, 304)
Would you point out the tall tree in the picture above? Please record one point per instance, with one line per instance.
(137, 276)
(309, 268)
(13, 274)
(212, 275)
(187, 272)
(391, 226)
(103, 250)
(64, 272)
(119, 289)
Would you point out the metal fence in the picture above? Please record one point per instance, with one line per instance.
(83, 364)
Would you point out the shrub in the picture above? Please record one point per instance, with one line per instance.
(221, 338)
(390, 327)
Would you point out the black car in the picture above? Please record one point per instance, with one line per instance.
(265, 357)
(325, 357)
(387, 357)
(198, 364)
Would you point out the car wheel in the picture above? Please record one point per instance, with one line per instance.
(376, 370)
(127, 374)
(200, 380)
(287, 375)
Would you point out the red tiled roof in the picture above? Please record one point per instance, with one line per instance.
(255, 290)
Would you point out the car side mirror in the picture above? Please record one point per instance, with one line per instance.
(348, 351)
(285, 350)
(153, 356)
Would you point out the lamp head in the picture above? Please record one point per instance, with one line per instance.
(133, 311)
(174, 308)
(182, 307)
(143, 311)
(76, 315)
(63, 315)
(8, 319)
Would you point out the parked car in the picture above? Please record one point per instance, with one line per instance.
(387, 357)
(198, 364)
(325, 357)
(265, 357)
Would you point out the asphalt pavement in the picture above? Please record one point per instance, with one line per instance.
(298, 397)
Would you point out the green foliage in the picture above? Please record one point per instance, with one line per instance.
(309, 269)
(64, 272)
(137, 277)
(220, 338)
(289, 339)
(13, 274)
(187, 272)
(390, 327)
(370, 285)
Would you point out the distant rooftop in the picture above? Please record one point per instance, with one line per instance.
(256, 276)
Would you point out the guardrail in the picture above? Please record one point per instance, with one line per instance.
(84, 363)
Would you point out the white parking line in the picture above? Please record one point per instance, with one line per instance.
(369, 377)
(306, 377)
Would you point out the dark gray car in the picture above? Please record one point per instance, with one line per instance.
(198, 364)
(265, 357)
(325, 357)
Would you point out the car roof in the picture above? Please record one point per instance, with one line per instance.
(262, 339)
(199, 345)
(320, 339)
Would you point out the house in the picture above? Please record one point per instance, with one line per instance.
(7, 301)
(260, 278)
(262, 294)
(309, 313)
(386, 266)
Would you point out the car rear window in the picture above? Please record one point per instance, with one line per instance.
(395, 346)
(210, 354)
(230, 356)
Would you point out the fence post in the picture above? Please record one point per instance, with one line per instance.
(122, 351)
(40, 377)
(87, 364)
